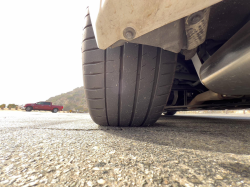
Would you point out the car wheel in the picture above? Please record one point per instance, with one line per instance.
(55, 110)
(127, 85)
(28, 109)
(169, 113)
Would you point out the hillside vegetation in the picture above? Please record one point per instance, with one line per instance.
(73, 100)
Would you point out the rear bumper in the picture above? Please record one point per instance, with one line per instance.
(111, 18)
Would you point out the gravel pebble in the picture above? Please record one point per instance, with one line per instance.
(101, 181)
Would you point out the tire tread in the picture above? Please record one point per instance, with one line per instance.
(127, 85)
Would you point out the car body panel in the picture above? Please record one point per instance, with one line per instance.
(110, 17)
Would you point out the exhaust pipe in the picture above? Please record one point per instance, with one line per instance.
(227, 71)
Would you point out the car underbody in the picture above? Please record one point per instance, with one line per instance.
(225, 20)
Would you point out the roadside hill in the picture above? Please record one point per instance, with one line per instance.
(73, 100)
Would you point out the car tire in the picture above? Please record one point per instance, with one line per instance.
(127, 85)
(55, 110)
(28, 109)
(169, 113)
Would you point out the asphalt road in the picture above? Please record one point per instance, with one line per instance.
(47, 149)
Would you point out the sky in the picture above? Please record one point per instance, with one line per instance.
(40, 49)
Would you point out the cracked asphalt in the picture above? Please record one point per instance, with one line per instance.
(46, 149)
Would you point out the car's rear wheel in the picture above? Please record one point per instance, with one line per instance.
(127, 85)
(55, 110)
(28, 109)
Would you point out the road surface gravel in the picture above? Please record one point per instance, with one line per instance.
(46, 149)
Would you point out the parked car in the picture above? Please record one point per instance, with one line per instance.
(144, 58)
(43, 106)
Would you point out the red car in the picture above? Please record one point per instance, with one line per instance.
(43, 106)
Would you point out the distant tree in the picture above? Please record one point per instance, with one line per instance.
(12, 106)
(2, 106)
